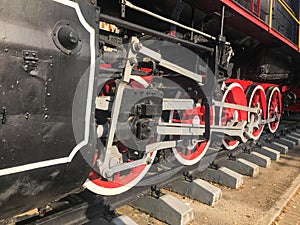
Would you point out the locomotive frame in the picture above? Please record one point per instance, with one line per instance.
(62, 64)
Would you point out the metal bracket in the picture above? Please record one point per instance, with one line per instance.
(188, 176)
(3, 115)
(214, 166)
(231, 157)
(247, 150)
(155, 192)
(30, 59)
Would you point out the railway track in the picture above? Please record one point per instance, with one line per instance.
(86, 207)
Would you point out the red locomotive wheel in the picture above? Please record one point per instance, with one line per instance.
(120, 182)
(274, 107)
(256, 97)
(234, 94)
(124, 180)
(194, 153)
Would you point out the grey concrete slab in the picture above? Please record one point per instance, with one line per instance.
(283, 149)
(167, 208)
(291, 137)
(269, 152)
(199, 190)
(96, 221)
(256, 158)
(295, 134)
(123, 220)
(223, 176)
(241, 166)
(284, 141)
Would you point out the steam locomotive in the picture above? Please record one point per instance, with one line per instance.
(95, 92)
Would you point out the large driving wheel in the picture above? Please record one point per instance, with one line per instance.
(256, 97)
(233, 94)
(274, 108)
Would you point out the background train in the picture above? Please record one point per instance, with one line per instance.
(70, 72)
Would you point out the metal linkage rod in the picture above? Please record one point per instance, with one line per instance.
(130, 5)
(135, 27)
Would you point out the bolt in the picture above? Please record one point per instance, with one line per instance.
(132, 61)
(149, 161)
(27, 115)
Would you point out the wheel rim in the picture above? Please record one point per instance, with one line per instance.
(125, 180)
(256, 95)
(274, 107)
(234, 94)
(120, 183)
(193, 155)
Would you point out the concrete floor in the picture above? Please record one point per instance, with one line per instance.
(256, 202)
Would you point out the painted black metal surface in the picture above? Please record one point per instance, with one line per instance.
(39, 74)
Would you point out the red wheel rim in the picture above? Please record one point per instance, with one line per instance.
(234, 95)
(121, 181)
(192, 156)
(274, 107)
(118, 179)
(256, 95)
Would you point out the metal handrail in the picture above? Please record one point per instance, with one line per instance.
(289, 11)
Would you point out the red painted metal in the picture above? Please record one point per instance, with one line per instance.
(235, 95)
(256, 96)
(188, 118)
(252, 7)
(274, 99)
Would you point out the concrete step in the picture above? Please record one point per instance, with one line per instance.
(123, 220)
(241, 166)
(256, 158)
(167, 208)
(293, 138)
(223, 176)
(283, 149)
(199, 190)
(269, 152)
(287, 142)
